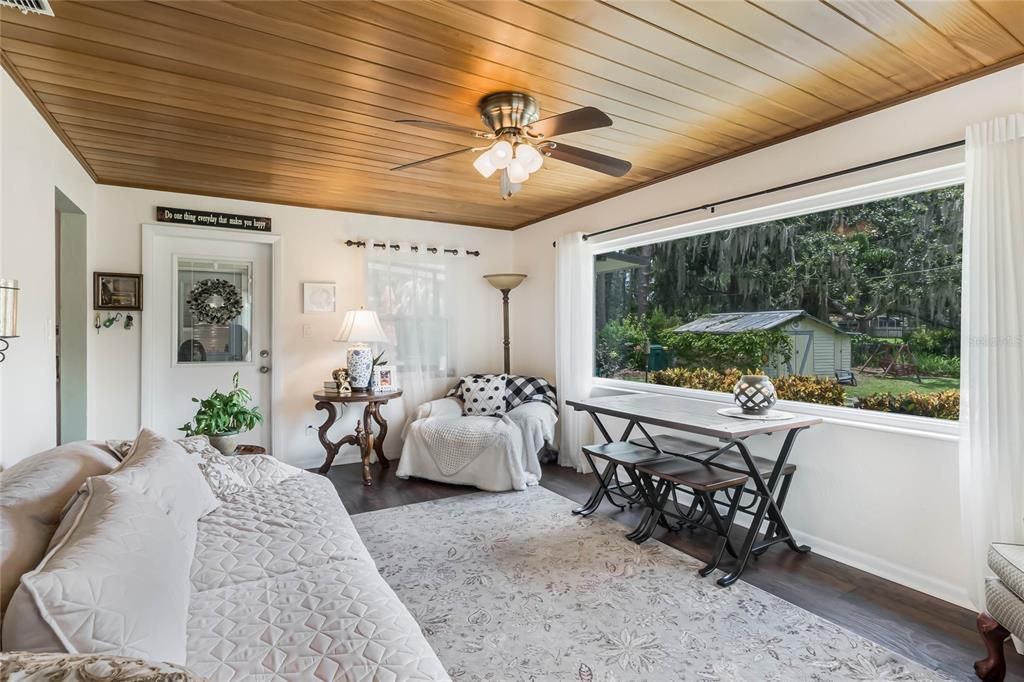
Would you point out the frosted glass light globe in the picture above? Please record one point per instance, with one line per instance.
(483, 165)
(517, 172)
(531, 159)
(500, 154)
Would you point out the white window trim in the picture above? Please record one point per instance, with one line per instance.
(809, 200)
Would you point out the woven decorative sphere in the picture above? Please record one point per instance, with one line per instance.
(754, 393)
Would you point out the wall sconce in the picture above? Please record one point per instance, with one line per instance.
(8, 314)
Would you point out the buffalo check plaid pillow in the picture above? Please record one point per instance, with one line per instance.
(518, 390)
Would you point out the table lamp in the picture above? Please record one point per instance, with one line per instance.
(360, 328)
(505, 282)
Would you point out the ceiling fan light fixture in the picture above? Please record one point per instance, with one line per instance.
(484, 166)
(500, 154)
(531, 159)
(517, 171)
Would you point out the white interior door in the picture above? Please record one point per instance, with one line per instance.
(208, 316)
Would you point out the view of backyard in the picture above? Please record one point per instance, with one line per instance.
(857, 307)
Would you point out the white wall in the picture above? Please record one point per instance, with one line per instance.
(33, 161)
(314, 251)
(885, 502)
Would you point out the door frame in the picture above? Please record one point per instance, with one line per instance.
(151, 353)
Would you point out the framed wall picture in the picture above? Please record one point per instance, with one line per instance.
(318, 297)
(384, 378)
(116, 291)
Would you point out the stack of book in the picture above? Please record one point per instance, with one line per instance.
(333, 388)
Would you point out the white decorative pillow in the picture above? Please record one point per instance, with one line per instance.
(164, 472)
(224, 481)
(484, 395)
(118, 583)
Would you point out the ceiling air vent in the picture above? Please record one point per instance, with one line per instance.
(26, 6)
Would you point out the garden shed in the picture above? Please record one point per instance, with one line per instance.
(819, 348)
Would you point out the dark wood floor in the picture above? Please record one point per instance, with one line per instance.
(923, 628)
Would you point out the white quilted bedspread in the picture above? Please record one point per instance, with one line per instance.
(283, 589)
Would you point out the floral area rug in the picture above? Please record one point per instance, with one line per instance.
(513, 586)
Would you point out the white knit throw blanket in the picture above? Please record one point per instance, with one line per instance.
(454, 443)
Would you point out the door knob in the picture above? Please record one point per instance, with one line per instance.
(264, 369)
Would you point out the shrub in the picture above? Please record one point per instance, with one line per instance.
(935, 341)
(803, 389)
(942, 405)
(621, 345)
(723, 351)
(937, 365)
(822, 391)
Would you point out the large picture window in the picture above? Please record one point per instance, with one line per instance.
(856, 306)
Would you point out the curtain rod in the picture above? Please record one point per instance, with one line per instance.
(779, 188)
(415, 248)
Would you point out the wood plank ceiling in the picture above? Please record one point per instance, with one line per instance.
(294, 102)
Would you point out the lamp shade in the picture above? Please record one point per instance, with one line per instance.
(8, 308)
(361, 326)
(505, 281)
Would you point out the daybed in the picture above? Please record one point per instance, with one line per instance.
(279, 586)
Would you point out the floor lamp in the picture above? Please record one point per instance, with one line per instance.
(505, 283)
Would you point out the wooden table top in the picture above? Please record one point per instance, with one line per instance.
(685, 414)
(357, 396)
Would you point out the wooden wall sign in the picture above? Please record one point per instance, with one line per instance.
(185, 216)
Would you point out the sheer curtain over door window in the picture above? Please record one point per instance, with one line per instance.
(413, 298)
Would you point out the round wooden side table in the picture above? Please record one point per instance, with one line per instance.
(363, 435)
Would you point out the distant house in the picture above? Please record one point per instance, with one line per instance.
(819, 348)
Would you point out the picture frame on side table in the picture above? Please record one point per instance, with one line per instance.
(384, 379)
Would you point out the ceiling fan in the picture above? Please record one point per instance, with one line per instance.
(519, 140)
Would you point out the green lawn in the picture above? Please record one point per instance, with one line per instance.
(868, 384)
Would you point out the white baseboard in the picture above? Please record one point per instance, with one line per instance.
(314, 461)
(874, 565)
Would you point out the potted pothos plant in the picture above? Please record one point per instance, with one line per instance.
(223, 416)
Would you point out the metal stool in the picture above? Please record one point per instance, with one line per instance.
(703, 482)
(617, 454)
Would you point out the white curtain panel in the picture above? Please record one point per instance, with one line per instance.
(413, 297)
(992, 350)
(574, 343)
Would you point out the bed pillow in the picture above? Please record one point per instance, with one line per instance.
(484, 396)
(117, 583)
(164, 472)
(25, 667)
(32, 494)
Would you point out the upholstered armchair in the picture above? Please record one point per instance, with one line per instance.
(1004, 601)
(445, 441)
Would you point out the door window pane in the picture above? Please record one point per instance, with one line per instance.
(214, 316)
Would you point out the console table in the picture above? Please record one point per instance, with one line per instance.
(363, 435)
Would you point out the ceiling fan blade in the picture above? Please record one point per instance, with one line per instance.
(586, 118)
(433, 158)
(601, 163)
(443, 126)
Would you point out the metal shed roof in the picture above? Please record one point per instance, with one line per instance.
(731, 323)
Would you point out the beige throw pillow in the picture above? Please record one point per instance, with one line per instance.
(164, 472)
(118, 582)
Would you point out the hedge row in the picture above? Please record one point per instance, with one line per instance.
(803, 389)
(942, 405)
